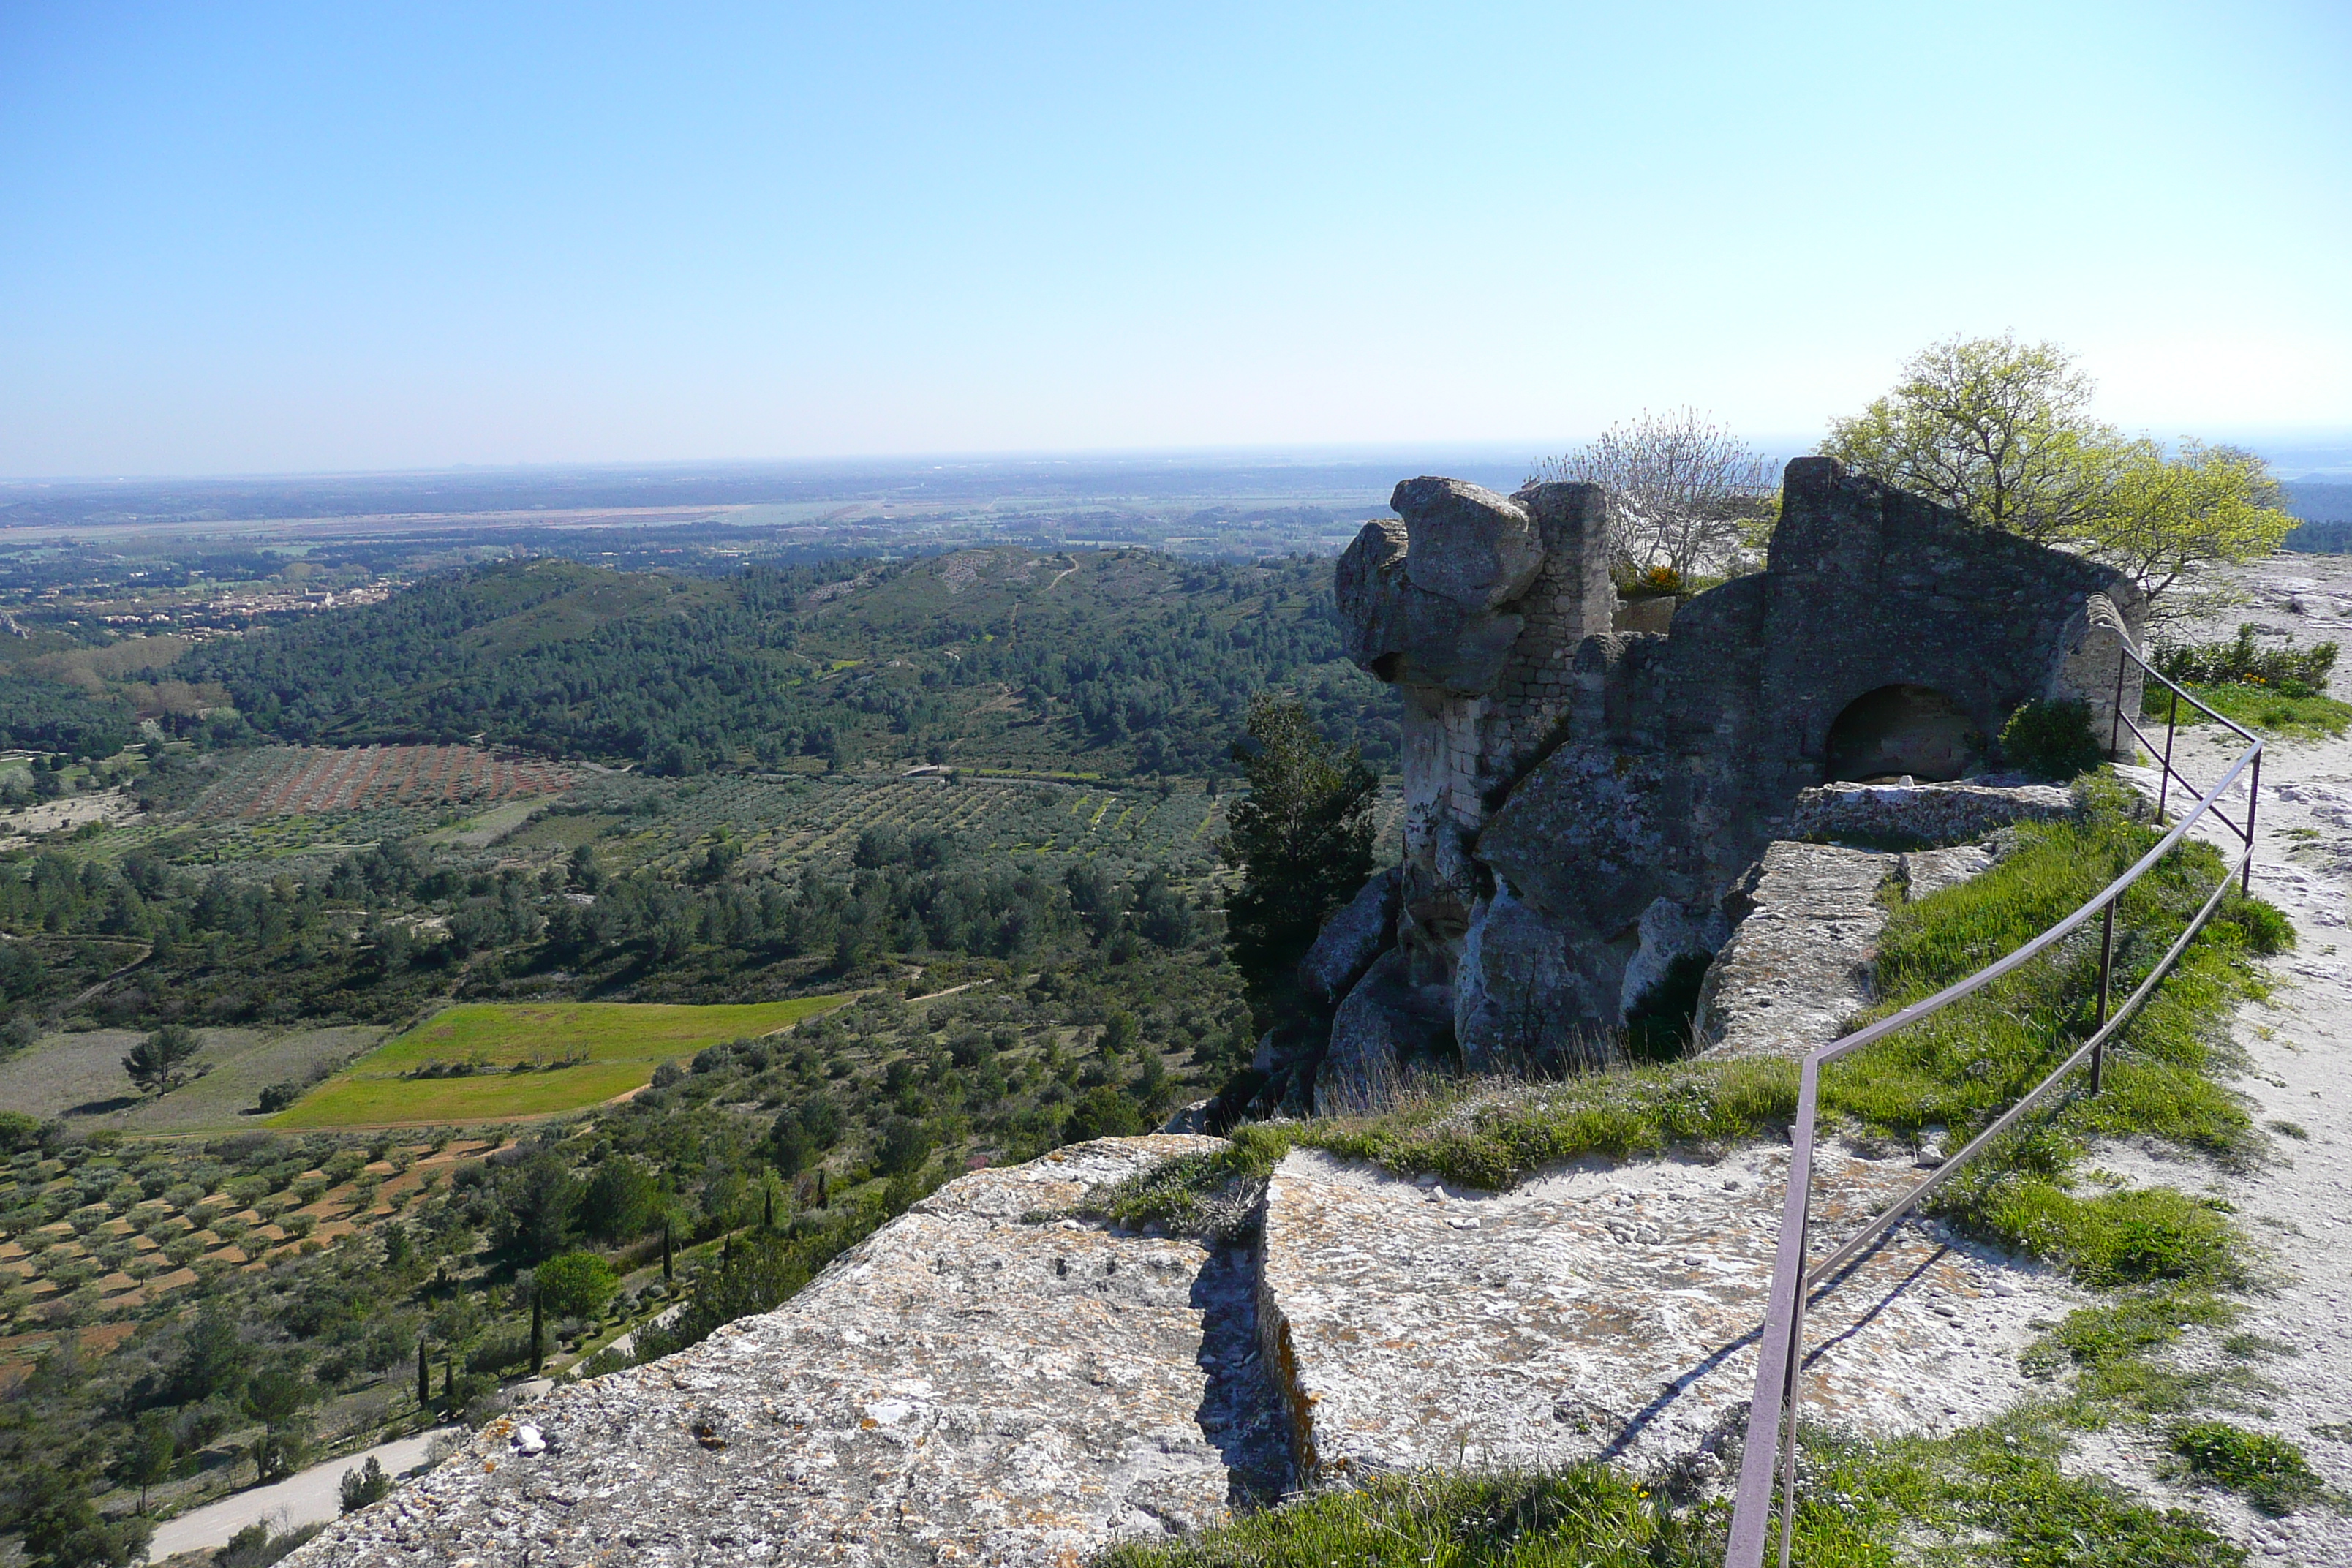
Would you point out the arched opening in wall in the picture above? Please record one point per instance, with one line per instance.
(1899, 730)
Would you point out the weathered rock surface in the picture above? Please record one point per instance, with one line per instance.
(1390, 623)
(1936, 812)
(1467, 543)
(1385, 1023)
(1609, 1311)
(1798, 966)
(1926, 871)
(1362, 930)
(962, 1387)
(1520, 999)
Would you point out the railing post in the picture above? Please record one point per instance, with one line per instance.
(2164, 776)
(2253, 798)
(1791, 1389)
(2107, 974)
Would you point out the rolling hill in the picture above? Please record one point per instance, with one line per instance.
(1112, 662)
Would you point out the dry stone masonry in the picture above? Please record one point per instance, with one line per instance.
(1585, 806)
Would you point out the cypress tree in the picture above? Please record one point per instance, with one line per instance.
(423, 1378)
(538, 1334)
(666, 1269)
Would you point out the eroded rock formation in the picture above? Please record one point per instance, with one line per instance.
(1584, 802)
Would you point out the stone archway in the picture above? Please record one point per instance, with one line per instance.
(1899, 730)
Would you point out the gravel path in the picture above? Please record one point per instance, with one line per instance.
(304, 1498)
(2298, 1083)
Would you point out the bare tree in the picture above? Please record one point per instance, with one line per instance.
(1689, 493)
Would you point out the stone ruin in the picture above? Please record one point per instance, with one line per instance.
(1587, 806)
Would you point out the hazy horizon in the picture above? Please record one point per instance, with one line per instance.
(247, 240)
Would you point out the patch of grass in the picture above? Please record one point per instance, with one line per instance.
(1993, 1494)
(2261, 708)
(1583, 1515)
(621, 1044)
(1483, 1139)
(2270, 1470)
(1210, 1195)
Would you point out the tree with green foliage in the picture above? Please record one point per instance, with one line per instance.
(1303, 839)
(576, 1285)
(159, 1064)
(2001, 432)
(50, 1510)
(621, 1203)
(1104, 1110)
(905, 1144)
(276, 1396)
(2163, 520)
(537, 1203)
(148, 1455)
(365, 1485)
(1998, 430)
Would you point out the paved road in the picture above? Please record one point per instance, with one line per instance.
(303, 1498)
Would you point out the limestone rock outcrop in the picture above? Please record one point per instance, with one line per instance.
(964, 1386)
(1607, 1311)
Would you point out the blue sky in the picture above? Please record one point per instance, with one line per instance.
(240, 238)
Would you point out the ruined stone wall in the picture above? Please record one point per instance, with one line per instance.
(1580, 800)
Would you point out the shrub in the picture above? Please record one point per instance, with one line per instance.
(576, 1285)
(279, 1096)
(1103, 1112)
(2052, 740)
(365, 1485)
(2290, 671)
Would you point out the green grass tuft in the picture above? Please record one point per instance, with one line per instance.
(1210, 1195)
(2259, 708)
(1493, 1142)
(2270, 1470)
(1583, 1515)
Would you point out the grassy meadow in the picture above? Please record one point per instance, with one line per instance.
(501, 1060)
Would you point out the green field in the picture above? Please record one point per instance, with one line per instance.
(621, 1043)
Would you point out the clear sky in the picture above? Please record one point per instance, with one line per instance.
(248, 238)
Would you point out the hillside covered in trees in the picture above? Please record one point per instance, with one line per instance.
(1108, 663)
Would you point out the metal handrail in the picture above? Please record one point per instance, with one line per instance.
(1771, 1442)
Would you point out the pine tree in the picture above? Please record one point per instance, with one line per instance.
(1303, 839)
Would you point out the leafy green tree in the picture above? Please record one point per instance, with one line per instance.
(1103, 1111)
(790, 1148)
(276, 1396)
(536, 1205)
(365, 1485)
(621, 1202)
(159, 1064)
(1302, 839)
(1998, 430)
(906, 1144)
(2165, 520)
(148, 1453)
(576, 1285)
(50, 1510)
(213, 1359)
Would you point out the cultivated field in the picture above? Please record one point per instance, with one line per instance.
(273, 780)
(495, 1061)
(79, 1076)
